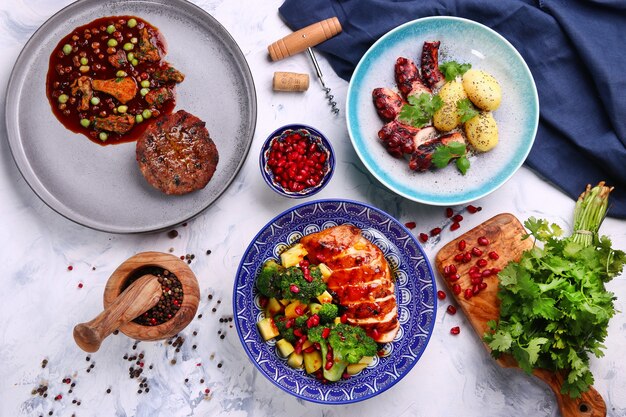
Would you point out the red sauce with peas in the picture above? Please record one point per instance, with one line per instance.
(108, 81)
(297, 161)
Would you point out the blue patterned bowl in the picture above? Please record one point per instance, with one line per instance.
(312, 134)
(464, 41)
(415, 293)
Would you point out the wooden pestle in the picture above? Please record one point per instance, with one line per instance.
(139, 297)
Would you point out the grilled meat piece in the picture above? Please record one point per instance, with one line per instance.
(118, 124)
(158, 96)
(408, 78)
(400, 139)
(430, 65)
(83, 85)
(166, 73)
(361, 278)
(421, 160)
(147, 50)
(388, 103)
(176, 154)
(123, 89)
(118, 60)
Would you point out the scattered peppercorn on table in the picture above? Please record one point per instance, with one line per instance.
(55, 272)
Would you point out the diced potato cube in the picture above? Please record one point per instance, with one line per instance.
(291, 311)
(312, 361)
(285, 302)
(326, 271)
(267, 328)
(273, 308)
(307, 345)
(295, 360)
(337, 320)
(355, 368)
(284, 347)
(293, 255)
(325, 297)
(367, 360)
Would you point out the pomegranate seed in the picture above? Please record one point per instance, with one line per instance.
(299, 310)
(297, 348)
(454, 277)
(453, 269)
(298, 333)
(483, 241)
(206, 390)
(455, 330)
(482, 285)
(451, 310)
(304, 263)
(410, 225)
(476, 280)
(456, 288)
(449, 212)
(455, 226)
(475, 289)
(487, 273)
(344, 318)
(481, 263)
(441, 295)
(473, 275)
(375, 333)
(325, 332)
(474, 270)
(310, 349)
(458, 257)
(263, 300)
(423, 237)
(495, 271)
(473, 209)
(80, 285)
(468, 293)
(294, 288)
(477, 252)
(289, 324)
(457, 218)
(70, 267)
(446, 270)
(462, 245)
(493, 255)
(346, 375)
(467, 257)
(329, 365)
(313, 321)
(435, 231)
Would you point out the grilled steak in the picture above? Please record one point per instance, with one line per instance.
(176, 154)
(361, 279)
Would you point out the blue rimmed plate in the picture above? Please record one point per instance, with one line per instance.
(462, 40)
(415, 293)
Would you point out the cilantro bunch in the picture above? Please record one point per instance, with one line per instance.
(555, 310)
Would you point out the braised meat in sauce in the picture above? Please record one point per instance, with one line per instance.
(108, 81)
(176, 154)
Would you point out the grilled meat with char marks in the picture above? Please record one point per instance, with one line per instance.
(421, 160)
(408, 78)
(388, 103)
(430, 65)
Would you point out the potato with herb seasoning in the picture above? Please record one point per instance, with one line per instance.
(482, 131)
(482, 89)
(448, 117)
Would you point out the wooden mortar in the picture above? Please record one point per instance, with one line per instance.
(120, 308)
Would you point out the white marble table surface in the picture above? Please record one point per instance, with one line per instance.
(41, 301)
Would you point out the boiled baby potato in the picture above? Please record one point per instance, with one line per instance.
(482, 131)
(482, 89)
(448, 117)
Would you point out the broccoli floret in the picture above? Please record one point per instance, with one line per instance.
(328, 312)
(295, 286)
(315, 334)
(286, 333)
(301, 321)
(268, 281)
(351, 343)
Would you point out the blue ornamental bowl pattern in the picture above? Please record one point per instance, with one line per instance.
(415, 293)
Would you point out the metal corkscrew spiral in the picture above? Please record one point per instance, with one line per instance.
(329, 97)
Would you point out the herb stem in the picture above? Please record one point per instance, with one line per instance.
(589, 213)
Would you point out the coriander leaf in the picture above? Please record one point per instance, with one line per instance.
(466, 110)
(462, 164)
(452, 69)
(501, 341)
(442, 156)
(533, 348)
(457, 148)
(419, 110)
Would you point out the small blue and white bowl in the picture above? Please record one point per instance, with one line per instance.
(314, 135)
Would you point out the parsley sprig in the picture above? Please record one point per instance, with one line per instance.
(419, 111)
(445, 153)
(555, 310)
(452, 69)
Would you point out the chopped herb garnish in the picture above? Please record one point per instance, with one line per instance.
(452, 69)
(420, 109)
(445, 153)
(466, 110)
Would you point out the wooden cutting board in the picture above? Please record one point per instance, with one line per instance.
(504, 233)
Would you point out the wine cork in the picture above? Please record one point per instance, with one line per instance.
(290, 81)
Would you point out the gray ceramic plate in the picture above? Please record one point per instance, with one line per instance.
(101, 186)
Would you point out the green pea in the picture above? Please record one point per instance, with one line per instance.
(144, 91)
(85, 122)
(110, 29)
(138, 118)
(134, 62)
(130, 56)
(132, 23)
(134, 40)
(103, 136)
(84, 61)
(67, 49)
(112, 42)
(145, 83)
(122, 109)
(120, 74)
(146, 114)
(95, 101)
(83, 68)
(128, 46)
(63, 98)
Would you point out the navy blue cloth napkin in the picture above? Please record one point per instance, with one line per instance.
(574, 49)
